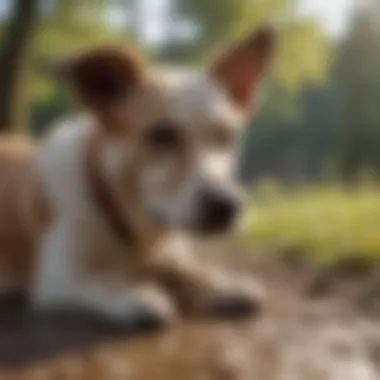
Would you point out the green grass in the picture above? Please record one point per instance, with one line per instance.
(323, 222)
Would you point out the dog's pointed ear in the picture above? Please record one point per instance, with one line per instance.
(103, 75)
(240, 68)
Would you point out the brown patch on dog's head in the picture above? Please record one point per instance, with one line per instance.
(103, 76)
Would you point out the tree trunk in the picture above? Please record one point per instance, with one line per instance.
(13, 62)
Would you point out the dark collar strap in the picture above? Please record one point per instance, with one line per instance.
(105, 199)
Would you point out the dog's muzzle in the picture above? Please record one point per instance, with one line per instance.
(218, 211)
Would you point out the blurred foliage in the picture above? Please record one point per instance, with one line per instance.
(66, 27)
(358, 79)
(322, 222)
(227, 17)
(15, 54)
(69, 26)
(304, 55)
(302, 50)
(337, 118)
(320, 105)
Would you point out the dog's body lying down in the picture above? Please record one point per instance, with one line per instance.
(85, 215)
(23, 212)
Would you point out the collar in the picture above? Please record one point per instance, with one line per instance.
(106, 200)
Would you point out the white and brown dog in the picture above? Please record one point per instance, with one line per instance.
(85, 214)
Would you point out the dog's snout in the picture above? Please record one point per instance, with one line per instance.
(218, 211)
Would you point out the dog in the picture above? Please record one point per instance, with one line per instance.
(102, 213)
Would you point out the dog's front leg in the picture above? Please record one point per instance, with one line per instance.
(205, 288)
(60, 284)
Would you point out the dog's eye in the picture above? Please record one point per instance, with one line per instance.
(165, 136)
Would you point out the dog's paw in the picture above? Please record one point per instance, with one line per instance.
(137, 308)
(235, 299)
(152, 309)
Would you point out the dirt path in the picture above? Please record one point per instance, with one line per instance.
(295, 339)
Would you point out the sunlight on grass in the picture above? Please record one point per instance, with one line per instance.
(322, 222)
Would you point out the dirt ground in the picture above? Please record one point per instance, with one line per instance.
(296, 338)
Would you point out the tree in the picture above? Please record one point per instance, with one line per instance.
(14, 56)
(358, 78)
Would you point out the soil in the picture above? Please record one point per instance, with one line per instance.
(297, 337)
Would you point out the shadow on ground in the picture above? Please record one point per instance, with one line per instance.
(27, 336)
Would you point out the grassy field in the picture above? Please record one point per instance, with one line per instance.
(322, 222)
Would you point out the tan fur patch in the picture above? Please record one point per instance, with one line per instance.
(24, 211)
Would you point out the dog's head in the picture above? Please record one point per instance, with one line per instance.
(174, 137)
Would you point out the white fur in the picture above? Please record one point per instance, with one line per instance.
(178, 208)
(197, 102)
(114, 156)
(181, 208)
(219, 166)
(61, 284)
(77, 231)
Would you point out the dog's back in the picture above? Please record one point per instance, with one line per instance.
(22, 211)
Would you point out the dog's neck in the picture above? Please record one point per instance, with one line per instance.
(119, 206)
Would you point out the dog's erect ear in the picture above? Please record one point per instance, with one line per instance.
(241, 67)
(102, 75)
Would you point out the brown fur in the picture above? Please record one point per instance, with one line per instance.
(103, 74)
(23, 211)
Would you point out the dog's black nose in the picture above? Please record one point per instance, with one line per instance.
(218, 211)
